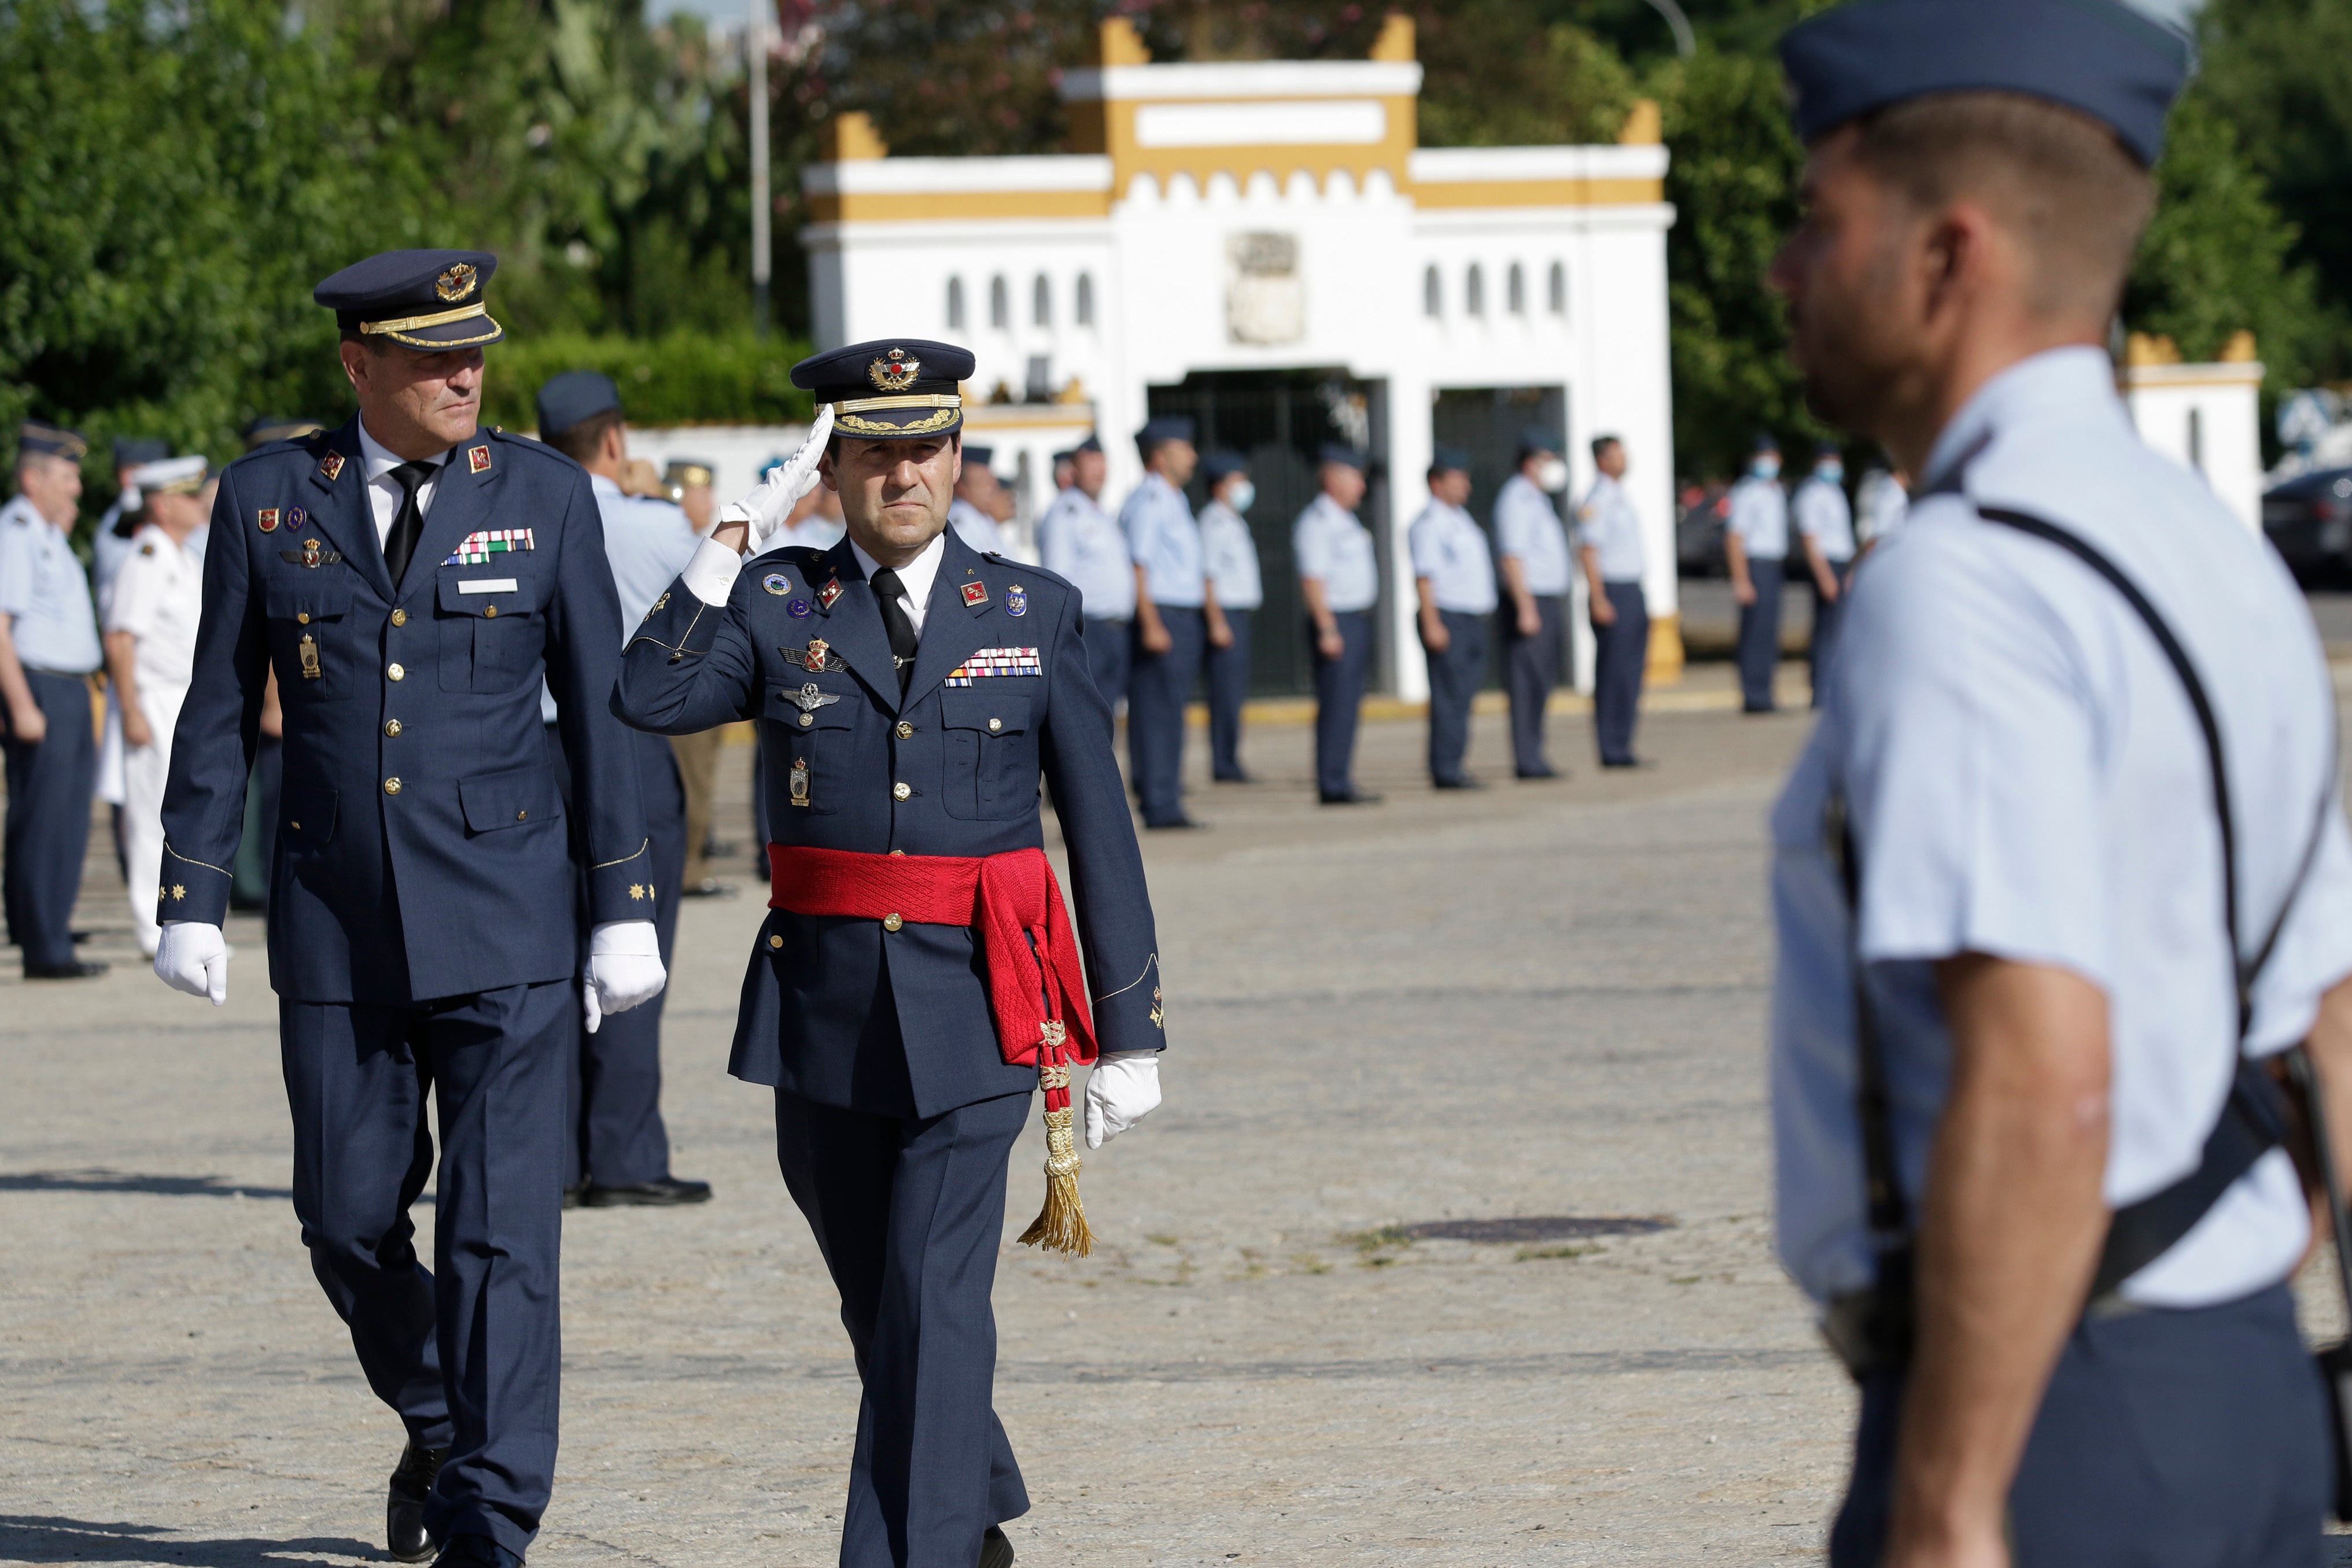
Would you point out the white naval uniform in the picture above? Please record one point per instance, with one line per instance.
(2027, 780)
(159, 599)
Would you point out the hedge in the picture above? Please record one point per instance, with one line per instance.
(685, 378)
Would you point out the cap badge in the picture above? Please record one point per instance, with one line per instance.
(330, 466)
(818, 651)
(1016, 600)
(894, 373)
(975, 594)
(269, 520)
(777, 583)
(477, 458)
(455, 285)
(829, 593)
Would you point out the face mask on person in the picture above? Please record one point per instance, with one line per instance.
(1765, 468)
(1834, 470)
(1240, 497)
(1551, 475)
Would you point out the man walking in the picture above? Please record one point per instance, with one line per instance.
(1454, 573)
(1608, 537)
(1171, 608)
(413, 579)
(1533, 544)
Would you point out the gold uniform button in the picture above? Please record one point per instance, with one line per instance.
(891, 922)
(296, 826)
(491, 610)
(520, 815)
(994, 725)
(898, 854)
(302, 617)
(807, 719)
(392, 785)
(396, 674)
(400, 617)
(906, 730)
(899, 792)
(775, 941)
(392, 727)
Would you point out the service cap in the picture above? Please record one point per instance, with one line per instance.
(1536, 438)
(1222, 465)
(2096, 57)
(279, 427)
(1156, 433)
(573, 397)
(1765, 442)
(39, 438)
(130, 451)
(691, 472)
(171, 476)
(890, 389)
(1448, 460)
(978, 456)
(428, 299)
(1091, 443)
(1345, 456)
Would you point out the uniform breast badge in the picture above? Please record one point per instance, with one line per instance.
(777, 583)
(307, 650)
(819, 650)
(829, 593)
(975, 594)
(985, 662)
(295, 517)
(808, 699)
(310, 552)
(267, 519)
(1016, 601)
(477, 458)
(800, 609)
(801, 782)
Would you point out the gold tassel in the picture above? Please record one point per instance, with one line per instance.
(1061, 1225)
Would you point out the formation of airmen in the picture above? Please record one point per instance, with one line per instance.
(2061, 880)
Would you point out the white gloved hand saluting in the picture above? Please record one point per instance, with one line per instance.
(624, 968)
(1123, 1088)
(193, 958)
(767, 506)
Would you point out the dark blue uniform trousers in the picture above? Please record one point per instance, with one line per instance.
(1531, 672)
(1824, 643)
(50, 783)
(1107, 656)
(1621, 654)
(468, 1354)
(1453, 676)
(2168, 1439)
(1229, 685)
(1159, 685)
(1338, 699)
(909, 1213)
(1759, 637)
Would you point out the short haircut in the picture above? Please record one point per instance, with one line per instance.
(581, 440)
(1601, 444)
(375, 343)
(2058, 179)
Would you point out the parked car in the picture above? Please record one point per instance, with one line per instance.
(2308, 519)
(1699, 514)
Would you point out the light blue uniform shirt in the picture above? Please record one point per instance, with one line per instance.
(1823, 515)
(1330, 543)
(1165, 541)
(1881, 505)
(1233, 557)
(974, 526)
(45, 594)
(1450, 549)
(1528, 525)
(1759, 516)
(1607, 525)
(647, 543)
(1079, 542)
(2026, 778)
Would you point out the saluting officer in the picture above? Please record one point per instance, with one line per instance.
(1340, 579)
(1825, 532)
(918, 977)
(1171, 598)
(1235, 593)
(1756, 545)
(619, 1154)
(1079, 541)
(1609, 538)
(1454, 573)
(2026, 1161)
(1533, 543)
(412, 579)
(49, 650)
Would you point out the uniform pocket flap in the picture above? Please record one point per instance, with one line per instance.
(311, 814)
(512, 799)
(308, 601)
(487, 593)
(790, 702)
(977, 706)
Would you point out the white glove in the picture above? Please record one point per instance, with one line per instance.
(767, 506)
(624, 968)
(1122, 1089)
(193, 958)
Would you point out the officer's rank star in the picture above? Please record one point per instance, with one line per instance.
(637, 890)
(178, 891)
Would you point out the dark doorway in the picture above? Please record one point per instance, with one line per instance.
(1279, 418)
(1485, 422)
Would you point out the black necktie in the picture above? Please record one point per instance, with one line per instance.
(898, 623)
(408, 526)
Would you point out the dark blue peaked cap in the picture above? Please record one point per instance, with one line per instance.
(573, 397)
(1221, 463)
(2097, 56)
(428, 299)
(890, 389)
(1166, 427)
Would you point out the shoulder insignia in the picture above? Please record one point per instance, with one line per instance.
(146, 550)
(829, 593)
(330, 466)
(269, 520)
(975, 594)
(477, 458)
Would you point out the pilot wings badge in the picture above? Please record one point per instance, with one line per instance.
(809, 698)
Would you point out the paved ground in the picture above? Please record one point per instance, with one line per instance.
(1540, 1000)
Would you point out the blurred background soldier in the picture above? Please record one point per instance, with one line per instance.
(1078, 541)
(978, 499)
(110, 547)
(48, 651)
(1235, 593)
(1756, 544)
(1879, 507)
(1340, 579)
(685, 483)
(1533, 544)
(1454, 573)
(1609, 533)
(151, 647)
(1065, 470)
(1172, 595)
(619, 1150)
(1825, 531)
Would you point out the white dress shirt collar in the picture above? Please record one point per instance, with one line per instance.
(384, 490)
(915, 577)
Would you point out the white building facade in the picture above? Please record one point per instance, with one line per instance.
(1265, 246)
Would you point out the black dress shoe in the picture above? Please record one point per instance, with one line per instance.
(404, 1508)
(72, 970)
(1353, 798)
(995, 1552)
(1176, 824)
(1464, 782)
(1236, 778)
(1532, 773)
(476, 1552)
(664, 1192)
(1627, 762)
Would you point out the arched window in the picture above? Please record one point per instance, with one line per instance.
(955, 304)
(1086, 300)
(1558, 290)
(1473, 291)
(1515, 291)
(1041, 302)
(1000, 305)
(1432, 294)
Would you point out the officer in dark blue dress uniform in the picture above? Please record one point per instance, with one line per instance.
(911, 693)
(411, 579)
